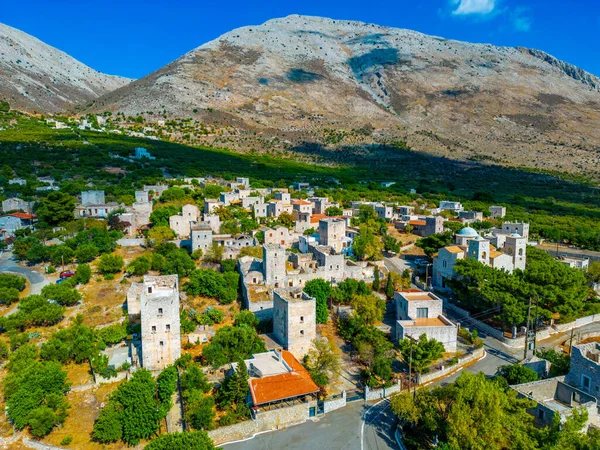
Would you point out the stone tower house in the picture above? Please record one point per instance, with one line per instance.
(274, 265)
(516, 247)
(479, 249)
(161, 335)
(331, 232)
(294, 320)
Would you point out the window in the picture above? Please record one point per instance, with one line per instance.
(444, 264)
(149, 289)
(160, 311)
(153, 329)
(301, 319)
(301, 332)
(162, 343)
(168, 327)
(585, 383)
(422, 313)
(541, 414)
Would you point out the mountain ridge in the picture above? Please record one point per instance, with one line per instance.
(35, 76)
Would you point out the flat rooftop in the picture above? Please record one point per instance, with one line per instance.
(418, 296)
(267, 363)
(426, 322)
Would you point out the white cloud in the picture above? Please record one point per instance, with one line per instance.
(519, 20)
(469, 7)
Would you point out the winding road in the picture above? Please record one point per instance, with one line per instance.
(8, 264)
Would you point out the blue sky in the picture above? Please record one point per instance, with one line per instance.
(135, 37)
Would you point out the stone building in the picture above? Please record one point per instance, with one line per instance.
(202, 237)
(159, 314)
(420, 313)
(331, 233)
(274, 264)
(17, 204)
(294, 320)
(210, 204)
(584, 373)
(260, 210)
(497, 212)
(278, 235)
(182, 223)
(92, 198)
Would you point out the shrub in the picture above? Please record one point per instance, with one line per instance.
(63, 295)
(66, 440)
(110, 264)
(8, 295)
(83, 274)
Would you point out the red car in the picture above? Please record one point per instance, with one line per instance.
(67, 274)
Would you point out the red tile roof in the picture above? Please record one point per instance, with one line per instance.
(22, 215)
(300, 202)
(418, 222)
(286, 385)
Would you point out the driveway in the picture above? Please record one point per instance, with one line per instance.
(340, 429)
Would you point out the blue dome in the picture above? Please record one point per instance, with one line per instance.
(467, 232)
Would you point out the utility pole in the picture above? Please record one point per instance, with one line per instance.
(527, 330)
(571, 341)
(535, 324)
(410, 367)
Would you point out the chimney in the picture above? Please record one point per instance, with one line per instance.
(278, 354)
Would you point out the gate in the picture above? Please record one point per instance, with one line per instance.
(312, 411)
(356, 394)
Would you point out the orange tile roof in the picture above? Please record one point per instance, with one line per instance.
(495, 254)
(454, 249)
(300, 202)
(286, 385)
(22, 215)
(417, 222)
(316, 217)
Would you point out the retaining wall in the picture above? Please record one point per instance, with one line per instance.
(265, 421)
(471, 357)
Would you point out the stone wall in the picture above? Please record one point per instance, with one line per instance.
(334, 403)
(376, 394)
(469, 358)
(265, 421)
(582, 365)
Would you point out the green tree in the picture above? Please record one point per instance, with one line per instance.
(472, 413)
(320, 290)
(367, 245)
(423, 353)
(232, 343)
(323, 362)
(376, 281)
(197, 440)
(56, 208)
(86, 253)
(334, 211)
(8, 295)
(160, 234)
(389, 287)
(83, 273)
(139, 266)
(62, 294)
(246, 317)
(61, 254)
(517, 374)
(369, 308)
(110, 264)
(433, 243)
(160, 216)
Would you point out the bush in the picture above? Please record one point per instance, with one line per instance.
(228, 265)
(3, 351)
(63, 295)
(66, 440)
(139, 266)
(86, 253)
(8, 295)
(110, 264)
(83, 274)
(50, 270)
(210, 283)
(197, 440)
(12, 281)
(246, 317)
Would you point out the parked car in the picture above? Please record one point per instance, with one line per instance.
(67, 274)
(60, 280)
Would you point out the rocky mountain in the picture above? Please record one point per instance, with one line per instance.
(317, 85)
(37, 77)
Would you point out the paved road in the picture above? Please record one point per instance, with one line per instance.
(337, 430)
(396, 264)
(36, 280)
